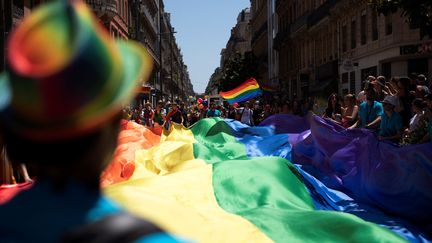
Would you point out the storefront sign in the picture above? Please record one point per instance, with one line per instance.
(348, 65)
(425, 48)
(144, 90)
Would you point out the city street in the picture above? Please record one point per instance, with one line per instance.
(215, 121)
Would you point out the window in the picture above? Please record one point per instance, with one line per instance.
(374, 25)
(294, 87)
(335, 40)
(386, 70)
(317, 51)
(352, 82)
(344, 38)
(125, 12)
(344, 78)
(419, 65)
(389, 24)
(291, 15)
(363, 29)
(353, 34)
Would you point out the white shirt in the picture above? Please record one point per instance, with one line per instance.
(414, 122)
(246, 116)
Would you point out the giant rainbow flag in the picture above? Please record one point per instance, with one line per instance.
(248, 90)
(291, 180)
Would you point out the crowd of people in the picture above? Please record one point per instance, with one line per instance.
(250, 112)
(397, 109)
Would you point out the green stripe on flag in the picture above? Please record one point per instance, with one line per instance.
(269, 192)
(216, 142)
(265, 191)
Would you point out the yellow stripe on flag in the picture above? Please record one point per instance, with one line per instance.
(174, 190)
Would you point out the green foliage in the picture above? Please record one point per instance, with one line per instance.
(207, 90)
(418, 13)
(238, 69)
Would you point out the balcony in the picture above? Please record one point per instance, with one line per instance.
(320, 13)
(153, 4)
(148, 18)
(103, 8)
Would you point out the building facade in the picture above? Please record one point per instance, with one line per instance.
(377, 45)
(213, 84)
(238, 43)
(143, 27)
(307, 44)
(113, 14)
(143, 21)
(240, 39)
(11, 14)
(259, 40)
(175, 83)
(330, 46)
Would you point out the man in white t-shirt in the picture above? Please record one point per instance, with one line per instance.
(246, 114)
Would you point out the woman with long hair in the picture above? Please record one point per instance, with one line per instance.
(334, 109)
(404, 104)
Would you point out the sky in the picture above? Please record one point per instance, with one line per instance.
(203, 28)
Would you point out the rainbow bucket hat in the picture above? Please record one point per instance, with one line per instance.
(66, 76)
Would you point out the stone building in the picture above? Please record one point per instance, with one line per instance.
(240, 39)
(331, 46)
(143, 21)
(307, 45)
(114, 15)
(11, 14)
(238, 43)
(172, 75)
(144, 28)
(213, 84)
(373, 44)
(259, 40)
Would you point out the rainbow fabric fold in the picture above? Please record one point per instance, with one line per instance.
(291, 180)
(222, 181)
(246, 91)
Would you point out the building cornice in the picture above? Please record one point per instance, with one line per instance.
(386, 48)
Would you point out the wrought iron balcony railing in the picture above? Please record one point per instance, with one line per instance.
(106, 8)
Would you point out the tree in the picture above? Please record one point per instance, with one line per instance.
(418, 13)
(238, 69)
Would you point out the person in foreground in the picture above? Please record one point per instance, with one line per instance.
(60, 111)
